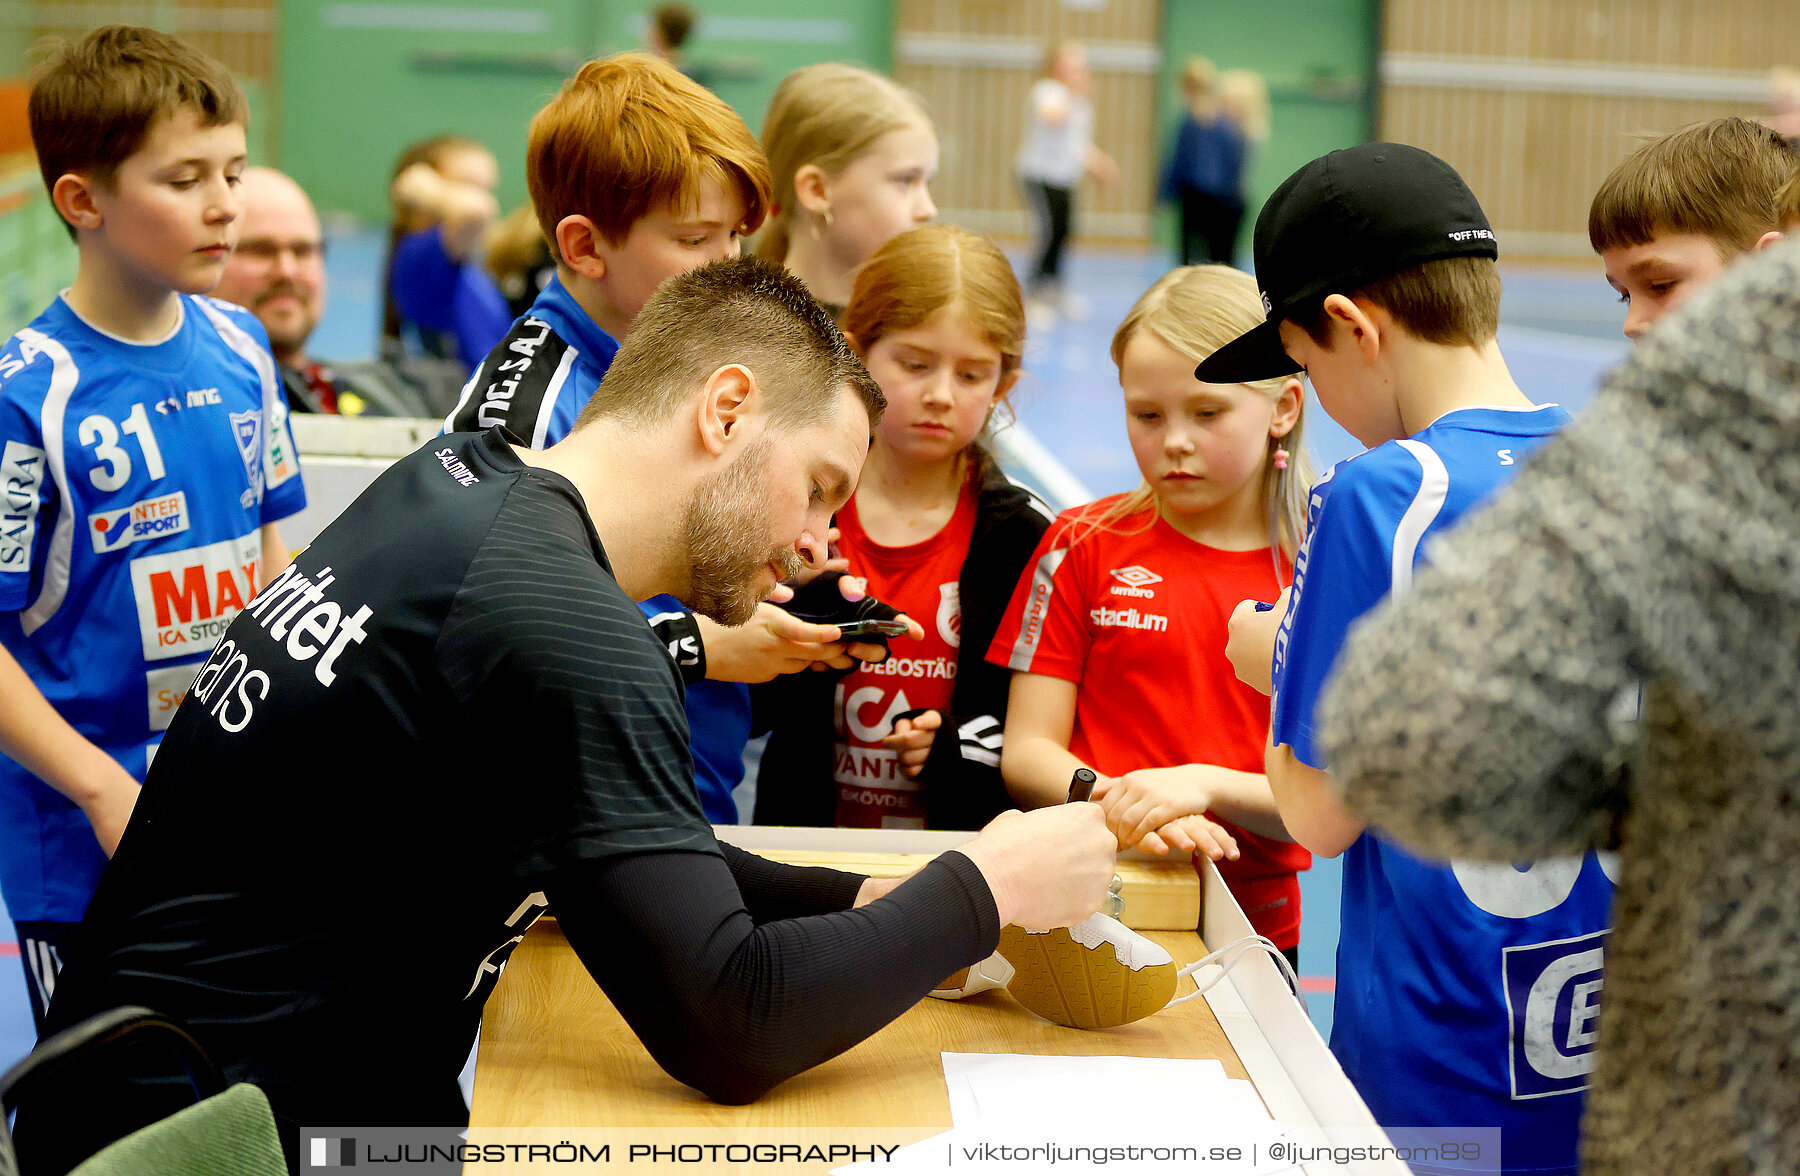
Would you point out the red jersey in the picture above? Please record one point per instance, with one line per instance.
(1136, 616)
(921, 580)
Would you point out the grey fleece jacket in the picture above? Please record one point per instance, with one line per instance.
(1656, 541)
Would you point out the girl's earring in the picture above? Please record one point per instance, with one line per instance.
(1281, 459)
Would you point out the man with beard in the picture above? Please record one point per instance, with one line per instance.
(277, 273)
(452, 705)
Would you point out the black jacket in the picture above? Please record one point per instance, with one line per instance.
(963, 789)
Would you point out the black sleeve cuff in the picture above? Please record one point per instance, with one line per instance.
(680, 634)
(973, 895)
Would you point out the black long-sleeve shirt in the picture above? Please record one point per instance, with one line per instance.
(445, 717)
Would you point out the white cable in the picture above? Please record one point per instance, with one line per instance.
(1227, 957)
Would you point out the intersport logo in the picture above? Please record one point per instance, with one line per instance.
(112, 530)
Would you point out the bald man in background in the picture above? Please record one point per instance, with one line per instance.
(277, 272)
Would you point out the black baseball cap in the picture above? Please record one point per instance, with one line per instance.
(1341, 222)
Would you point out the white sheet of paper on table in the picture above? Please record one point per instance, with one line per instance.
(1024, 1100)
(1024, 1090)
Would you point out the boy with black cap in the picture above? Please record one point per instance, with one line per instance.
(1467, 992)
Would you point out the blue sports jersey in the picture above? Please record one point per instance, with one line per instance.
(136, 479)
(541, 375)
(446, 299)
(1467, 993)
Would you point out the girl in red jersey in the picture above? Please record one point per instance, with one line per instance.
(941, 534)
(1117, 631)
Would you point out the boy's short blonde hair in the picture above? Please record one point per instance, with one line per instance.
(629, 134)
(1717, 179)
(1452, 302)
(94, 102)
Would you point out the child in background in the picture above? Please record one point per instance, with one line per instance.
(518, 258)
(437, 299)
(1682, 207)
(1117, 636)
(145, 460)
(852, 155)
(941, 534)
(1466, 991)
(1204, 174)
(1057, 152)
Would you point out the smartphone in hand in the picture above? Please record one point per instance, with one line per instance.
(870, 627)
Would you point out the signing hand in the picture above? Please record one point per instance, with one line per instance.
(1046, 868)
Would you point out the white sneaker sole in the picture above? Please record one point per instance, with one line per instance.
(993, 972)
(1094, 975)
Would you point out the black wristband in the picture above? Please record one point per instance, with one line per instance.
(680, 634)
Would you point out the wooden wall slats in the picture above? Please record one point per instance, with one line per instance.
(1700, 34)
(1535, 154)
(242, 34)
(979, 109)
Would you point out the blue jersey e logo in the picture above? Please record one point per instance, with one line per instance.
(1553, 996)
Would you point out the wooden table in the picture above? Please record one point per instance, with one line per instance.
(557, 1062)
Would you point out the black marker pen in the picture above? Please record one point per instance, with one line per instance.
(1082, 785)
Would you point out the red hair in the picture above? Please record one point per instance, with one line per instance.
(629, 134)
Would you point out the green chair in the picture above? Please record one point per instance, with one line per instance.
(228, 1132)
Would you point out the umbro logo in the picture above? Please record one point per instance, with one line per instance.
(1134, 581)
(1135, 576)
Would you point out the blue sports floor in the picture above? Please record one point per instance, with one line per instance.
(1559, 332)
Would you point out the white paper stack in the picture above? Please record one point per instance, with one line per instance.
(1015, 1114)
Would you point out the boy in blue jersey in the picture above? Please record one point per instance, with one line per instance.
(144, 461)
(1466, 993)
(637, 174)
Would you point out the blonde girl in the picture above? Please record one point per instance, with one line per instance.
(940, 533)
(852, 155)
(1117, 636)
